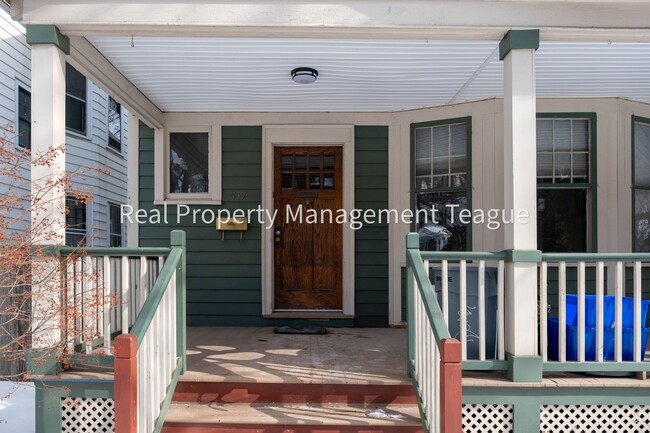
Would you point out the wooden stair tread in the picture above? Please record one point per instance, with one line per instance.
(293, 414)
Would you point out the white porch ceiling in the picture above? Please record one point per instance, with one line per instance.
(193, 74)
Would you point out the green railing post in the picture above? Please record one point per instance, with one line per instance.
(177, 240)
(412, 242)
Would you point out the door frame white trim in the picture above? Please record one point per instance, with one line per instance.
(308, 135)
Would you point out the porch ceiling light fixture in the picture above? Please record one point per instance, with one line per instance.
(304, 75)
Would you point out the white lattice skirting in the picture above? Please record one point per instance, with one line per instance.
(481, 418)
(87, 415)
(594, 418)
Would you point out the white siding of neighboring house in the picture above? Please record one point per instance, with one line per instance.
(82, 151)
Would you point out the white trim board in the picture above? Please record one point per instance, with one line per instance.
(308, 135)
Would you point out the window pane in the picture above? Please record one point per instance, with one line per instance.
(75, 115)
(75, 83)
(441, 234)
(642, 220)
(423, 167)
(642, 154)
(580, 167)
(562, 134)
(188, 168)
(458, 139)
(458, 164)
(423, 182)
(544, 166)
(562, 167)
(562, 216)
(440, 166)
(422, 143)
(24, 118)
(75, 220)
(115, 220)
(545, 135)
(580, 131)
(114, 124)
(441, 140)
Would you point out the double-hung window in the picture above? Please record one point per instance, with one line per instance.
(115, 226)
(566, 196)
(75, 100)
(24, 118)
(76, 222)
(641, 183)
(442, 183)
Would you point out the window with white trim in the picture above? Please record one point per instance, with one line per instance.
(24, 118)
(565, 182)
(115, 225)
(114, 124)
(76, 222)
(75, 100)
(441, 160)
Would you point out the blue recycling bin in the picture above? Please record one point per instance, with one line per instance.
(473, 342)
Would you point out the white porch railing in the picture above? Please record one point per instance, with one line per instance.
(593, 314)
(105, 288)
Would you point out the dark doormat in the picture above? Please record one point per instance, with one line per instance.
(306, 330)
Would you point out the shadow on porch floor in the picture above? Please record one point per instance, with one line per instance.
(374, 356)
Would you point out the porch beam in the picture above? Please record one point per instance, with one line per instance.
(517, 50)
(361, 18)
(87, 59)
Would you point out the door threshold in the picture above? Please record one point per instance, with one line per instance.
(304, 314)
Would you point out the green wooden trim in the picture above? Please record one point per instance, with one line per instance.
(595, 257)
(150, 306)
(524, 368)
(607, 366)
(179, 241)
(461, 255)
(555, 395)
(489, 364)
(524, 256)
(518, 40)
(634, 188)
(468, 184)
(593, 162)
(113, 252)
(525, 418)
(45, 34)
(164, 407)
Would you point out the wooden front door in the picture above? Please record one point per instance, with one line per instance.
(308, 250)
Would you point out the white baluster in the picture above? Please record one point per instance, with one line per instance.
(107, 302)
(600, 310)
(638, 356)
(618, 324)
(445, 291)
(581, 311)
(543, 312)
(125, 295)
(481, 309)
(463, 308)
(501, 326)
(562, 311)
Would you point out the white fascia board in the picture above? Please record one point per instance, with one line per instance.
(85, 57)
(361, 18)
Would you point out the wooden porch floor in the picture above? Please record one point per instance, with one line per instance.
(374, 356)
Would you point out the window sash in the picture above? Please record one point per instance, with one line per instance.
(76, 99)
(24, 118)
(114, 115)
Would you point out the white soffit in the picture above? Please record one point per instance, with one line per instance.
(194, 74)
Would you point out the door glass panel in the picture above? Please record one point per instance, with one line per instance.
(287, 181)
(287, 162)
(301, 162)
(328, 162)
(301, 181)
(314, 182)
(314, 162)
(328, 181)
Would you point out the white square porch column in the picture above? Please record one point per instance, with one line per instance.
(517, 50)
(49, 49)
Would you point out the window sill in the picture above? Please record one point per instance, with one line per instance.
(115, 151)
(71, 133)
(188, 201)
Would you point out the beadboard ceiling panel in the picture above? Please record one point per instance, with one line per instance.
(253, 74)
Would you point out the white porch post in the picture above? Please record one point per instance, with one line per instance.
(49, 50)
(517, 50)
(133, 149)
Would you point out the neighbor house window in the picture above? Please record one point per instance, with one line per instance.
(114, 124)
(76, 222)
(24, 118)
(188, 162)
(442, 183)
(641, 183)
(565, 182)
(115, 226)
(75, 100)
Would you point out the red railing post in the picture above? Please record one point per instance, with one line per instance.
(451, 386)
(126, 383)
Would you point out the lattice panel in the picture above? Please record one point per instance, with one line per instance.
(482, 418)
(594, 419)
(87, 415)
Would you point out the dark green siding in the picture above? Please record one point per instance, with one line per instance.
(371, 241)
(224, 277)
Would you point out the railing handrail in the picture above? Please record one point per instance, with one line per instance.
(595, 257)
(463, 255)
(143, 321)
(114, 251)
(432, 308)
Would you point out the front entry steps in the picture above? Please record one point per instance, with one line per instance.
(221, 407)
